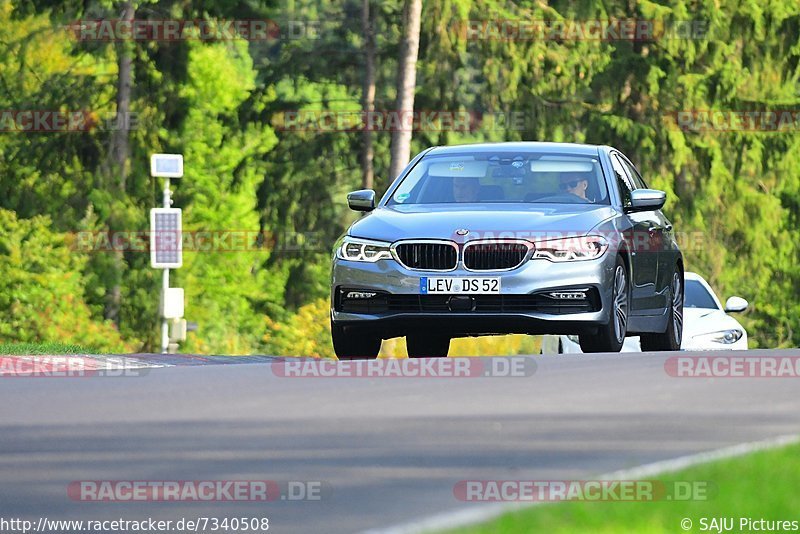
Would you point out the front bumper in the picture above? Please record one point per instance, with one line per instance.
(520, 308)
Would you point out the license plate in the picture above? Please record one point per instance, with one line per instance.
(455, 285)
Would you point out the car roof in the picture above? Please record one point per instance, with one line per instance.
(566, 148)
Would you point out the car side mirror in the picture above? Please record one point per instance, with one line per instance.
(646, 200)
(735, 304)
(361, 200)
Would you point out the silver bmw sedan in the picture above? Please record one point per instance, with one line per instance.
(488, 239)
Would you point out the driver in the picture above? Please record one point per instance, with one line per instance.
(466, 188)
(574, 182)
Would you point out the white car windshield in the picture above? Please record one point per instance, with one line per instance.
(492, 177)
(697, 296)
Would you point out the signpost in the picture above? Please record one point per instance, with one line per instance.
(166, 242)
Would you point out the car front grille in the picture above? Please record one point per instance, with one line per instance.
(537, 302)
(431, 256)
(443, 256)
(494, 256)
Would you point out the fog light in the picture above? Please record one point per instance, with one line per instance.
(568, 295)
(359, 294)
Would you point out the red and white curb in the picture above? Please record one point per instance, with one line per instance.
(58, 365)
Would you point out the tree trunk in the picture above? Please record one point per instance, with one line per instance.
(368, 95)
(120, 153)
(120, 145)
(406, 83)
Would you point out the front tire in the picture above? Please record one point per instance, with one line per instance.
(611, 336)
(354, 343)
(427, 345)
(671, 338)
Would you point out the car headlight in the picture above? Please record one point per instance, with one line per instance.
(726, 337)
(571, 248)
(355, 249)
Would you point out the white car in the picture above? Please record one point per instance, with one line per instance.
(706, 324)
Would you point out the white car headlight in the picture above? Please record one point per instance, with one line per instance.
(725, 337)
(571, 248)
(355, 249)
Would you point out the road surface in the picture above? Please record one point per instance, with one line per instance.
(385, 450)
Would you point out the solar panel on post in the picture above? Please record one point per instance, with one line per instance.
(166, 247)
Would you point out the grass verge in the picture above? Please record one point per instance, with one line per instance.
(10, 349)
(761, 485)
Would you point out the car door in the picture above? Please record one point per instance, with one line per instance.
(651, 243)
(662, 240)
(644, 261)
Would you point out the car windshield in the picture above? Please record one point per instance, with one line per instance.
(697, 296)
(492, 177)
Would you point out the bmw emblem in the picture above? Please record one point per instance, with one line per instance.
(462, 231)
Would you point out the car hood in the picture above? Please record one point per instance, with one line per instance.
(697, 321)
(440, 221)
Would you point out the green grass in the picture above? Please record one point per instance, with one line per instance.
(43, 348)
(762, 485)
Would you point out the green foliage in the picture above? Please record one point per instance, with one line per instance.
(306, 333)
(219, 192)
(221, 103)
(41, 288)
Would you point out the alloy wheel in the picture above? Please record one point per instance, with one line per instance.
(620, 304)
(677, 308)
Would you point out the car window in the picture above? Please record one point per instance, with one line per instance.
(623, 181)
(697, 296)
(492, 177)
(638, 182)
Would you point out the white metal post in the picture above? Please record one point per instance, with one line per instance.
(164, 322)
(165, 282)
(167, 219)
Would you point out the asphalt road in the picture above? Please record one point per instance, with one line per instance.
(387, 450)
